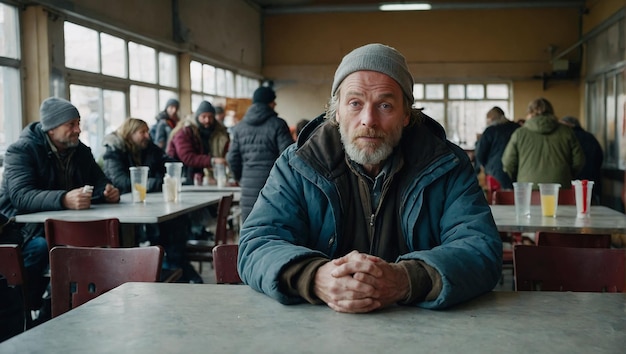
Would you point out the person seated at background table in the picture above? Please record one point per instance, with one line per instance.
(197, 140)
(372, 206)
(490, 147)
(258, 140)
(131, 146)
(166, 120)
(47, 168)
(542, 150)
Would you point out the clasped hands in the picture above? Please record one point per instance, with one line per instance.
(80, 198)
(359, 282)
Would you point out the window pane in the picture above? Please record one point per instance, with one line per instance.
(208, 79)
(143, 103)
(81, 48)
(9, 30)
(456, 92)
(195, 70)
(435, 110)
(230, 84)
(93, 103)
(168, 74)
(498, 91)
(221, 82)
(113, 55)
(418, 91)
(195, 101)
(10, 113)
(142, 63)
(476, 92)
(434, 92)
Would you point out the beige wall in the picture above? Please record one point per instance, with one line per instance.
(301, 52)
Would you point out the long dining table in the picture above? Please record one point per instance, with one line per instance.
(153, 210)
(600, 220)
(195, 318)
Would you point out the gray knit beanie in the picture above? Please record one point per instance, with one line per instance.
(204, 107)
(56, 111)
(380, 58)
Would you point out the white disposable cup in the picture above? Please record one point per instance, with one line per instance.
(175, 170)
(549, 193)
(583, 197)
(522, 193)
(170, 189)
(139, 183)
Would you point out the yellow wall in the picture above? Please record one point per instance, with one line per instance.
(302, 51)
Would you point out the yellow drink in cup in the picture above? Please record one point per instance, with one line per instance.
(548, 205)
(141, 190)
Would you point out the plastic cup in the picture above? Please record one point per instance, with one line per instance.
(549, 193)
(139, 183)
(582, 190)
(170, 189)
(175, 171)
(219, 172)
(522, 193)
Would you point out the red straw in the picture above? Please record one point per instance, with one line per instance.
(584, 184)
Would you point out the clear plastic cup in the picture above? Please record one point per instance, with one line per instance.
(522, 193)
(549, 198)
(219, 172)
(175, 170)
(139, 183)
(582, 190)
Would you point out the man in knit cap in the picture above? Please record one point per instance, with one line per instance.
(372, 206)
(48, 168)
(257, 141)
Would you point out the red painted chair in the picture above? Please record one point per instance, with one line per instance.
(562, 239)
(79, 274)
(12, 269)
(225, 264)
(92, 233)
(201, 250)
(569, 269)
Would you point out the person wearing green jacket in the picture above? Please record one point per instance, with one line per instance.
(542, 150)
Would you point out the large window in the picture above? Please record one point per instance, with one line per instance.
(10, 83)
(112, 78)
(462, 108)
(215, 84)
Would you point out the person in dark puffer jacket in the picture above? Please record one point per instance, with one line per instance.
(257, 141)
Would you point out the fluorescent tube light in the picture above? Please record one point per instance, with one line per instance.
(416, 6)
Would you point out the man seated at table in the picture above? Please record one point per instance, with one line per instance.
(131, 146)
(47, 168)
(372, 206)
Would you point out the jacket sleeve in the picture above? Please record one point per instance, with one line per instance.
(186, 151)
(116, 169)
(510, 157)
(578, 156)
(233, 156)
(482, 148)
(284, 138)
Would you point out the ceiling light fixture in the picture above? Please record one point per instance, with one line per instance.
(406, 6)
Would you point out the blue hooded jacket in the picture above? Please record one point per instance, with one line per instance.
(446, 220)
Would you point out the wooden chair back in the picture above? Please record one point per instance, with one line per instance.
(507, 197)
(12, 269)
(563, 239)
(223, 211)
(225, 264)
(569, 269)
(79, 274)
(92, 233)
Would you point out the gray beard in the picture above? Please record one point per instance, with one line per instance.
(361, 156)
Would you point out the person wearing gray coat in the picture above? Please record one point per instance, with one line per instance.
(256, 143)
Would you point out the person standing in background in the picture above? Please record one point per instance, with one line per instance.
(543, 150)
(166, 120)
(594, 156)
(257, 142)
(490, 147)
